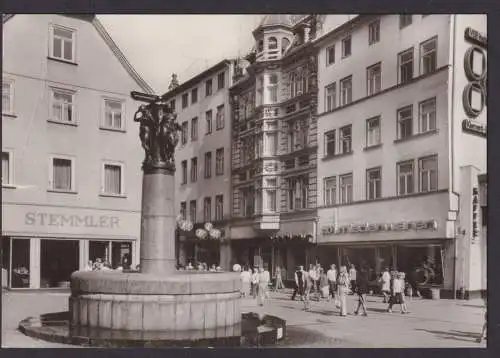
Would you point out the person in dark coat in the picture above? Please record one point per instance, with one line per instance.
(299, 283)
(361, 290)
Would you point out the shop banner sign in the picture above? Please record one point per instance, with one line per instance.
(375, 227)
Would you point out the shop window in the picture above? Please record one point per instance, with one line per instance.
(7, 96)
(62, 174)
(194, 128)
(121, 255)
(405, 64)
(427, 111)
(428, 56)
(184, 132)
(208, 164)
(374, 79)
(62, 106)
(219, 161)
(405, 178)
(194, 95)
(374, 32)
(20, 263)
(58, 260)
(184, 165)
(346, 189)
(208, 119)
(208, 87)
(219, 118)
(194, 169)
(113, 113)
(219, 207)
(427, 168)
(373, 183)
(6, 242)
(422, 264)
(62, 43)
(346, 91)
(373, 132)
(113, 179)
(192, 211)
(330, 97)
(405, 122)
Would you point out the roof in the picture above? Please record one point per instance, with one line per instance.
(286, 20)
(194, 80)
(111, 44)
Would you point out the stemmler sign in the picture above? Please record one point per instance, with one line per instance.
(374, 227)
(49, 219)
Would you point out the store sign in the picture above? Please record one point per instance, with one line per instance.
(367, 227)
(475, 215)
(48, 219)
(474, 95)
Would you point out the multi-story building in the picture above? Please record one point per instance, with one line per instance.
(274, 146)
(71, 155)
(202, 161)
(402, 141)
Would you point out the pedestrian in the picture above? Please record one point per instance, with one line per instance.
(352, 278)
(278, 283)
(245, 277)
(313, 275)
(323, 284)
(397, 294)
(385, 281)
(332, 281)
(361, 290)
(299, 283)
(89, 266)
(343, 288)
(255, 282)
(308, 285)
(485, 325)
(402, 277)
(97, 264)
(263, 285)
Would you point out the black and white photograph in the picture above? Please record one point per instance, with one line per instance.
(244, 180)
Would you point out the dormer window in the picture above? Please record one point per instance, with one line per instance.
(273, 43)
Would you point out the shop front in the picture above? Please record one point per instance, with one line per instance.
(43, 246)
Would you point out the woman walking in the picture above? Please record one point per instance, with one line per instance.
(278, 284)
(385, 281)
(397, 296)
(245, 282)
(362, 290)
(255, 282)
(343, 287)
(323, 284)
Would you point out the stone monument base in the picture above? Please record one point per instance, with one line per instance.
(181, 302)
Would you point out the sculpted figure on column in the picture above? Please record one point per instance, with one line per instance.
(158, 133)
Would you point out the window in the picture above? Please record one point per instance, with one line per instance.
(194, 169)
(373, 183)
(184, 100)
(62, 174)
(194, 95)
(207, 209)
(273, 43)
(7, 96)
(184, 172)
(184, 132)
(219, 161)
(172, 105)
(427, 168)
(271, 195)
(260, 89)
(219, 207)
(298, 83)
(63, 43)
(271, 144)
(330, 55)
(113, 179)
(208, 118)
(405, 122)
(374, 32)
(208, 164)
(405, 60)
(372, 131)
(428, 55)
(346, 91)
(330, 191)
(113, 113)
(247, 201)
(374, 79)
(297, 193)
(192, 211)
(219, 118)
(194, 128)
(208, 87)
(405, 20)
(405, 177)
(183, 210)
(7, 168)
(330, 143)
(346, 47)
(346, 189)
(345, 134)
(221, 80)
(62, 106)
(273, 88)
(331, 97)
(427, 110)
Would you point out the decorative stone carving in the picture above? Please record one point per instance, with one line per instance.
(159, 134)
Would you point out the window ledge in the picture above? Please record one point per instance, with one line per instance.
(334, 156)
(9, 186)
(62, 61)
(112, 129)
(10, 115)
(417, 135)
(72, 124)
(109, 195)
(372, 147)
(62, 191)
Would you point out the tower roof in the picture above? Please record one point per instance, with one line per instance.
(277, 19)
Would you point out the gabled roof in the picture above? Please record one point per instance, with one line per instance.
(111, 44)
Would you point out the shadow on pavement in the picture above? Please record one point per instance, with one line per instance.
(453, 334)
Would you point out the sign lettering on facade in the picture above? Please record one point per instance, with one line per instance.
(47, 219)
(475, 214)
(476, 37)
(374, 227)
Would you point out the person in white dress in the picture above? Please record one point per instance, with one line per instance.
(245, 282)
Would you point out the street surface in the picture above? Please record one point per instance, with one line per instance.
(440, 323)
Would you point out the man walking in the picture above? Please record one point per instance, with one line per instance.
(299, 282)
(331, 275)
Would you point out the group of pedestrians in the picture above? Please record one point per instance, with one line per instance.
(255, 283)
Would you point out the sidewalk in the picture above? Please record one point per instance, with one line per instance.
(441, 323)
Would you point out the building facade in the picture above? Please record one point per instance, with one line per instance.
(71, 155)
(401, 125)
(202, 161)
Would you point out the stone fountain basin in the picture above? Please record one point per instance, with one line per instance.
(181, 301)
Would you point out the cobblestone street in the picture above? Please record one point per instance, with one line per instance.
(442, 323)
